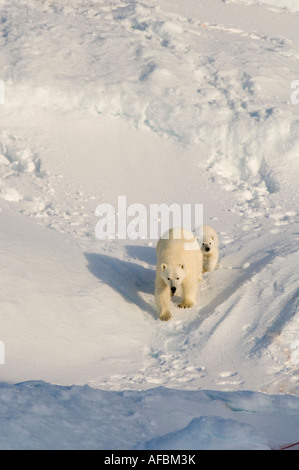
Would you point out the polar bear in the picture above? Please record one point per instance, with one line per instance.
(209, 248)
(179, 265)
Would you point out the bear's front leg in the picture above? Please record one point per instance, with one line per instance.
(162, 299)
(210, 262)
(189, 294)
(165, 316)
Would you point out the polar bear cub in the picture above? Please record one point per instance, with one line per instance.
(209, 248)
(179, 265)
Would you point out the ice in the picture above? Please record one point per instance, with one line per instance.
(39, 415)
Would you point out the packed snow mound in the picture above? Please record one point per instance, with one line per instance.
(211, 433)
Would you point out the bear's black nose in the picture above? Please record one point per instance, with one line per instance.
(173, 289)
(207, 248)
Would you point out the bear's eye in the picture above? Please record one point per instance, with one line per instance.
(177, 278)
(168, 278)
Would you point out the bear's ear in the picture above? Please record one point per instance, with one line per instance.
(163, 266)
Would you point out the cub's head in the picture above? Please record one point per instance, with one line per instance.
(173, 275)
(209, 241)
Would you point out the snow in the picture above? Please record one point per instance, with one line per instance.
(47, 416)
(161, 102)
(278, 4)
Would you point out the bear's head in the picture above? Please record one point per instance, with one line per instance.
(209, 241)
(173, 275)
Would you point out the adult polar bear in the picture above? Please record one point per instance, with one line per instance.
(179, 264)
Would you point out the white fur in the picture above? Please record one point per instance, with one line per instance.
(179, 265)
(210, 241)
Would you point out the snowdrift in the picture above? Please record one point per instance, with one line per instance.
(49, 417)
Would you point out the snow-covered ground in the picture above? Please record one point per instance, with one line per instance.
(161, 102)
